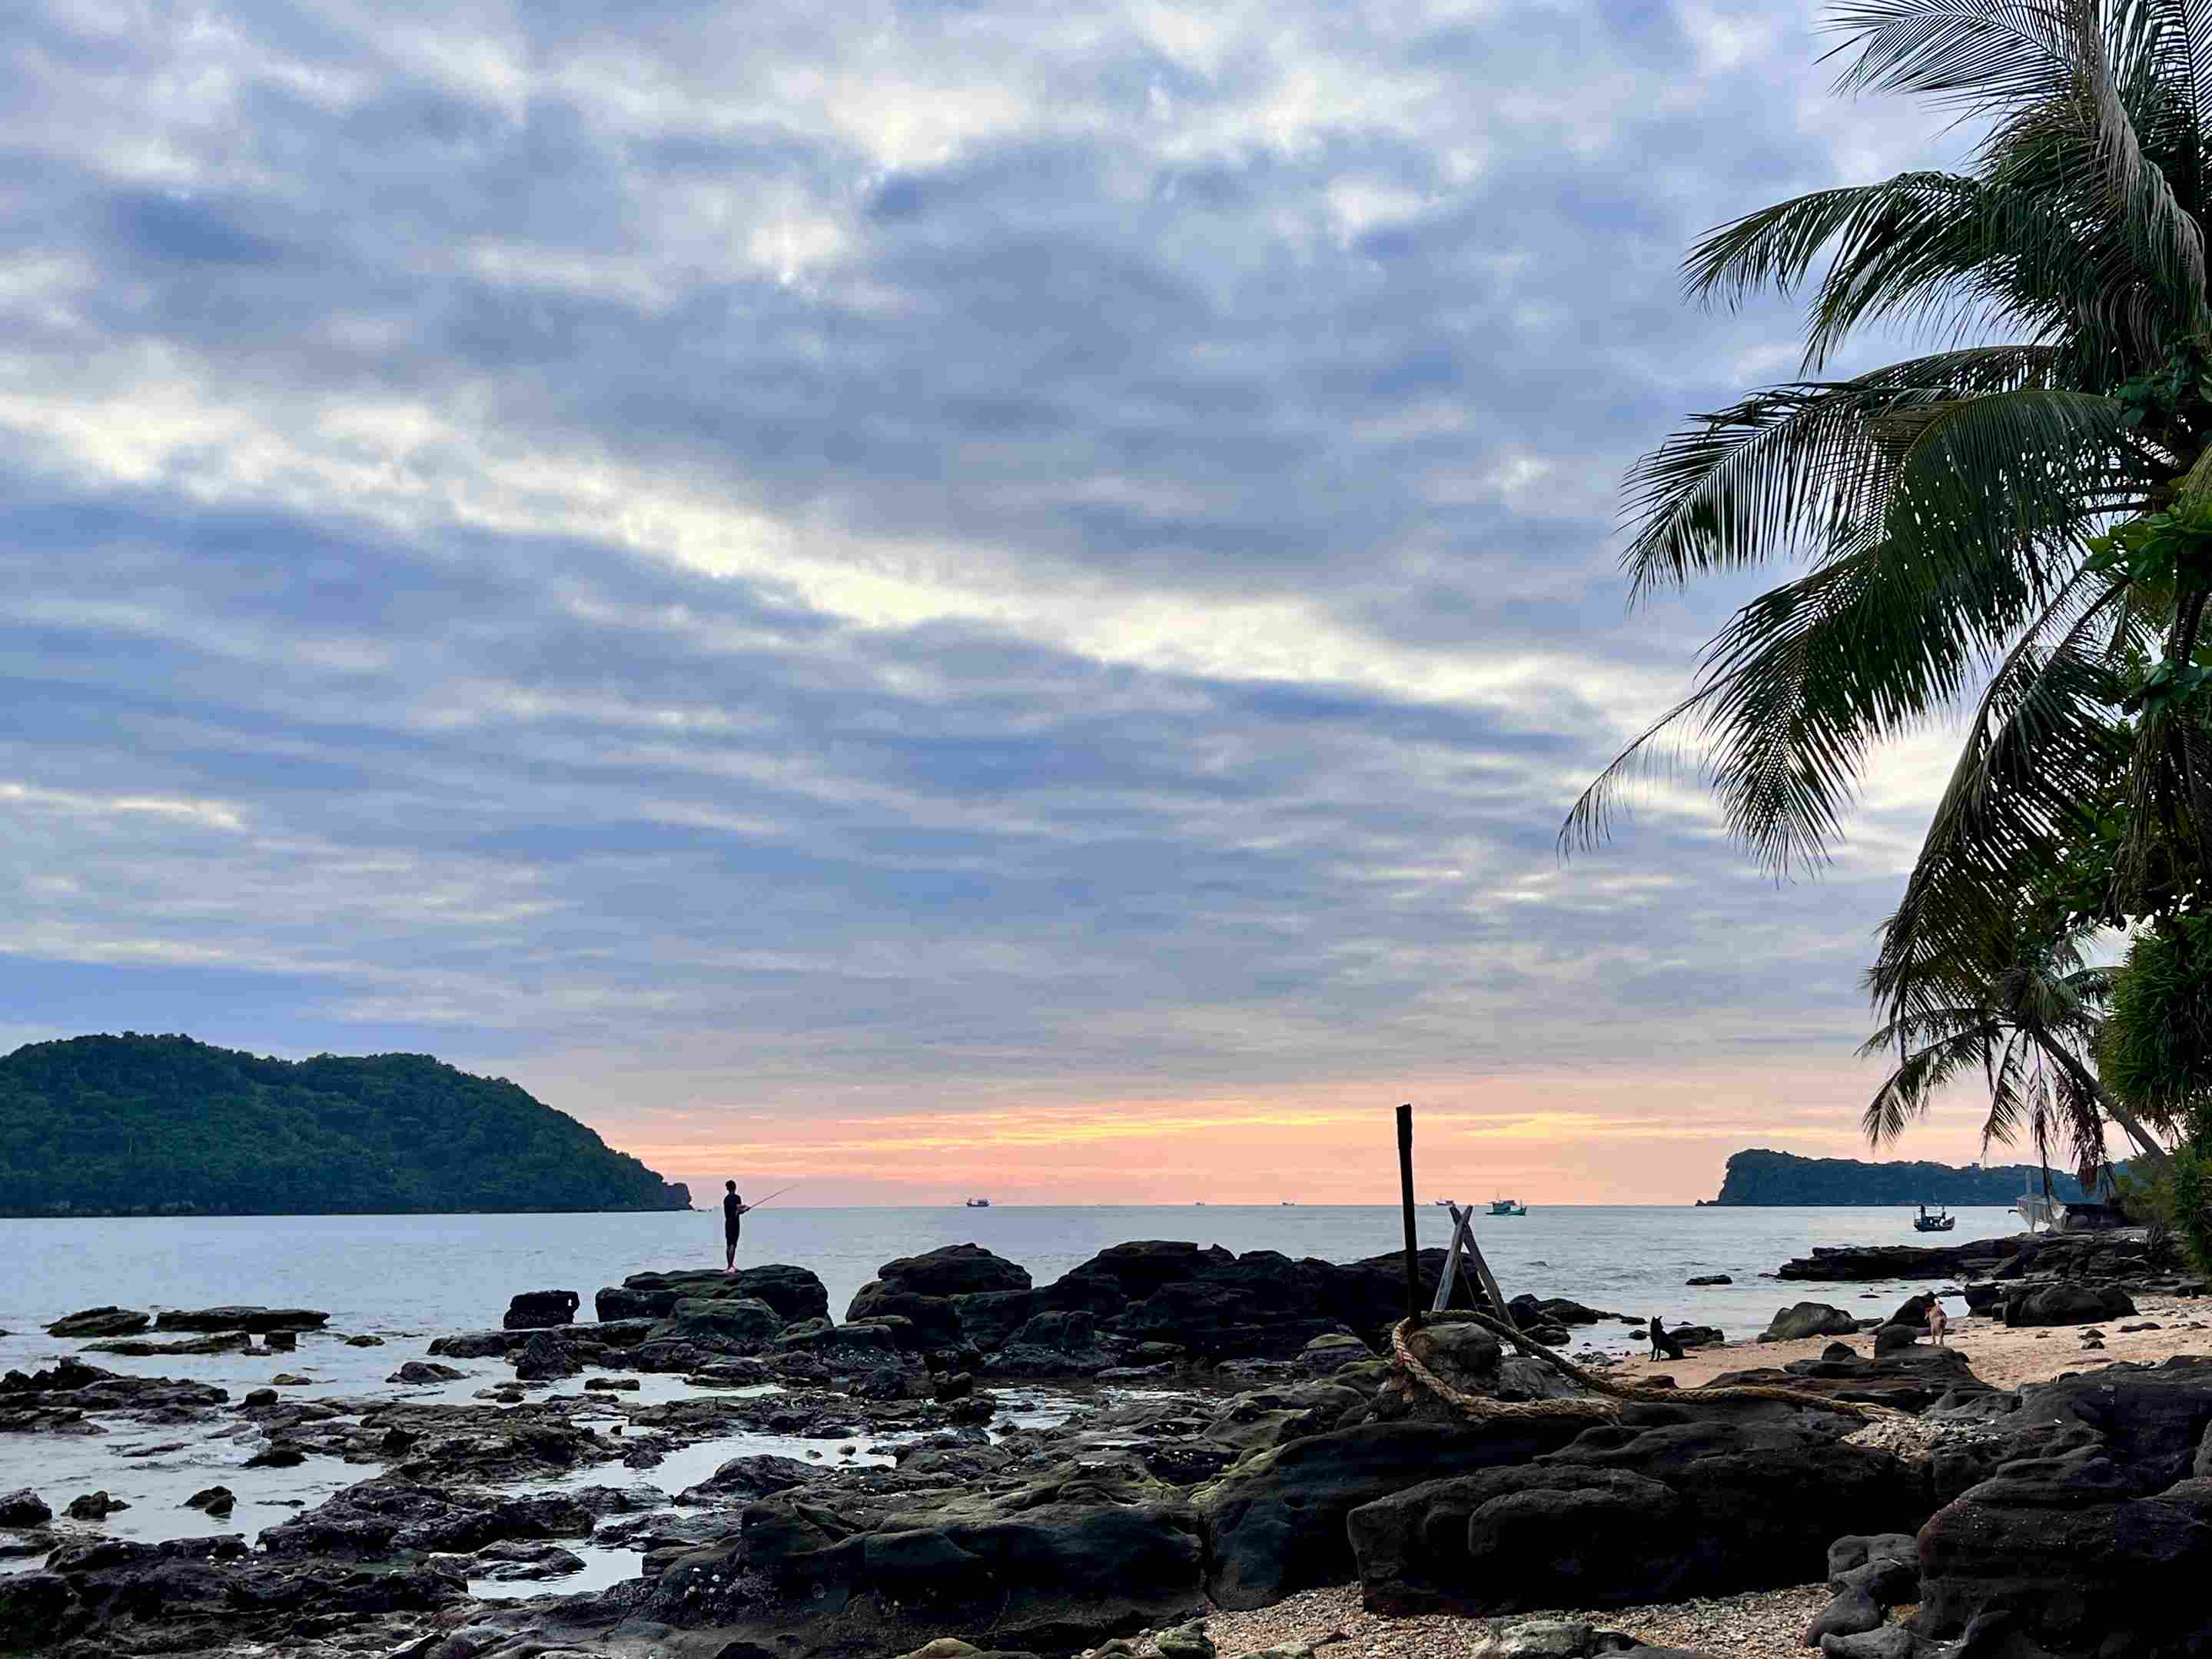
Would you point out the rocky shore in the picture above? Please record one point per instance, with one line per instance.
(1165, 1436)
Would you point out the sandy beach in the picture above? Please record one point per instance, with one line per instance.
(2001, 1356)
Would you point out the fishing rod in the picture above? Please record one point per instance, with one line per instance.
(772, 1197)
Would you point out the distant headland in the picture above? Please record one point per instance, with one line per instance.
(1762, 1176)
(138, 1124)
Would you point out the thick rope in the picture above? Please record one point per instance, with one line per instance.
(1611, 1396)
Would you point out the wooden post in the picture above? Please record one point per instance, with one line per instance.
(1406, 1199)
(1448, 1281)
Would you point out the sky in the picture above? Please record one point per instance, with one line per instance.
(920, 599)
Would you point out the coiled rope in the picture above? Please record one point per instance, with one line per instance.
(1610, 1396)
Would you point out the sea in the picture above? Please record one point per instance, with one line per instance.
(408, 1280)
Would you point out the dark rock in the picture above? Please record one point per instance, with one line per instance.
(2066, 1304)
(1864, 1263)
(933, 1320)
(1542, 1537)
(281, 1341)
(23, 1508)
(259, 1397)
(744, 1478)
(1717, 1504)
(212, 1500)
(424, 1371)
(545, 1358)
(953, 1270)
(732, 1324)
(1808, 1319)
(531, 1311)
(278, 1455)
(1709, 1278)
(255, 1319)
(378, 1519)
(35, 1608)
(1044, 1576)
(136, 1347)
(101, 1321)
(515, 1561)
(987, 1318)
(610, 1385)
(364, 1340)
(1895, 1339)
(1275, 1522)
(794, 1293)
(93, 1506)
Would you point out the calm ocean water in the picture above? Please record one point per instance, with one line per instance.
(408, 1279)
(438, 1274)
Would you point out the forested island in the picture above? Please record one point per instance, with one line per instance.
(138, 1124)
(1760, 1176)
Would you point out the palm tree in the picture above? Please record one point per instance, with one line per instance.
(2028, 1020)
(2022, 530)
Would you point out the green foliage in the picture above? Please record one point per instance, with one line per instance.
(1762, 1177)
(139, 1124)
(2189, 1203)
(2155, 1052)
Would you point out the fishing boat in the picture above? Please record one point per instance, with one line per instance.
(1441, 1203)
(1508, 1206)
(979, 1203)
(1942, 1222)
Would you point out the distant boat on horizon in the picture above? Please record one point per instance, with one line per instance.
(1508, 1206)
(979, 1203)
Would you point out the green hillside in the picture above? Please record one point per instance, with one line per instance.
(1762, 1176)
(162, 1125)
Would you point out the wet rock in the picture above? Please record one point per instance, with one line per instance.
(279, 1455)
(610, 1385)
(257, 1320)
(35, 1607)
(600, 1341)
(93, 1506)
(290, 1380)
(1709, 1278)
(744, 1478)
(212, 1500)
(387, 1517)
(24, 1543)
(1890, 1339)
(1808, 1319)
(23, 1508)
(101, 1321)
(281, 1341)
(794, 1293)
(731, 1324)
(512, 1562)
(364, 1342)
(933, 1321)
(531, 1311)
(423, 1371)
(545, 1358)
(136, 1348)
(257, 1397)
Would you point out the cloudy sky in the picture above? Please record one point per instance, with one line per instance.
(970, 594)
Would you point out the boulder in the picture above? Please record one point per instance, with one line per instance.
(742, 1479)
(1806, 1319)
(1864, 1263)
(218, 1501)
(739, 1325)
(389, 1517)
(93, 1506)
(933, 1320)
(23, 1508)
(1709, 1279)
(101, 1321)
(1043, 1576)
(257, 1320)
(1274, 1522)
(987, 1318)
(421, 1371)
(953, 1270)
(533, 1310)
(2066, 1304)
(794, 1293)
(545, 1358)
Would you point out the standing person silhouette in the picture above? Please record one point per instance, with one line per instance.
(732, 1209)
